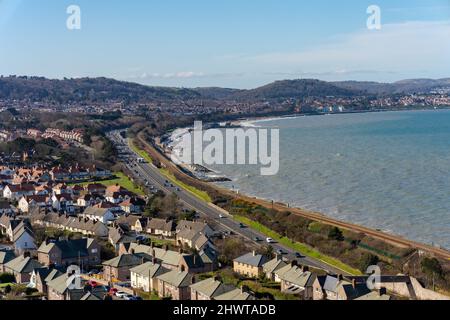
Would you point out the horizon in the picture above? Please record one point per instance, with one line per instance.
(228, 45)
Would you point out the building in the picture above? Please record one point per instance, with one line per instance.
(82, 252)
(22, 267)
(118, 268)
(250, 264)
(5, 257)
(209, 289)
(26, 202)
(144, 276)
(271, 267)
(161, 227)
(175, 284)
(299, 281)
(23, 238)
(98, 214)
(40, 278)
(235, 295)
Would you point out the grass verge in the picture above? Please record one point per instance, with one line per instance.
(297, 246)
(122, 180)
(144, 155)
(202, 195)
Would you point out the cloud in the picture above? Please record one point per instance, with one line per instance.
(396, 48)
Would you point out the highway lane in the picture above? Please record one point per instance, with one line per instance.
(148, 172)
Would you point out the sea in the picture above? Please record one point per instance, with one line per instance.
(385, 170)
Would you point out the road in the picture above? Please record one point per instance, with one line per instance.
(148, 172)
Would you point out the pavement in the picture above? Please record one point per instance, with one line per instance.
(147, 172)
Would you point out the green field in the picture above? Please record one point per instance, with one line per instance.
(297, 246)
(122, 180)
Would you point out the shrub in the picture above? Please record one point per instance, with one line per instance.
(7, 278)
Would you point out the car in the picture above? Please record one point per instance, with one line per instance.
(93, 283)
(112, 291)
(221, 216)
(93, 271)
(135, 298)
(269, 240)
(280, 252)
(242, 226)
(298, 255)
(128, 297)
(121, 294)
(256, 239)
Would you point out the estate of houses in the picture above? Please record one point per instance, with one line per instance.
(49, 199)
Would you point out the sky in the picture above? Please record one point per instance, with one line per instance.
(226, 43)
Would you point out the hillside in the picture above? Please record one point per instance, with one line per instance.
(87, 90)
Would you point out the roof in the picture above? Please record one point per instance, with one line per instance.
(97, 212)
(374, 295)
(236, 294)
(252, 259)
(6, 256)
(161, 224)
(125, 260)
(177, 278)
(149, 269)
(23, 264)
(274, 265)
(296, 276)
(167, 257)
(331, 284)
(211, 287)
(59, 284)
(69, 248)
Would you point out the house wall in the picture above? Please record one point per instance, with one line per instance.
(247, 270)
(166, 290)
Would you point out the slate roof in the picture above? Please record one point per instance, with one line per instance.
(149, 269)
(211, 287)
(177, 278)
(6, 256)
(274, 265)
(23, 264)
(252, 259)
(69, 248)
(126, 260)
(236, 294)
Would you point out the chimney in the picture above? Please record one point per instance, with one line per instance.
(254, 253)
(132, 251)
(195, 259)
(294, 263)
(339, 277)
(305, 268)
(193, 280)
(154, 253)
(354, 284)
(166, 247)
(153, 260)
(180, 251)
(26, 254)
(382, 291)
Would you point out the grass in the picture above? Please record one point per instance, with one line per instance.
(122, 180)
(4, 285)
(202, 195)
(297, 246)
(144, 155)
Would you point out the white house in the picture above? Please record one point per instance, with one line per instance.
(26, 202)
(23, 239)
(63, 202)
(99, 214)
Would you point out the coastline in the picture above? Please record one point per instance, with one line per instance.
(388, 236)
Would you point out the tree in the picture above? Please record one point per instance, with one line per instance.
(367, 259)
(7, 278)
(431, 266)
(335, 234)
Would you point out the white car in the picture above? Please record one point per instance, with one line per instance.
(121, 294)
(269, 240)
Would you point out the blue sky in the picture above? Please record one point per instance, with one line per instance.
(229, 43)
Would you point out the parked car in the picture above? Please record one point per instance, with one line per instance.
(298, 255)
(269, 240)
(136, 298)
(121, 294)
(128, 297)
(256, 239)
(242, 226)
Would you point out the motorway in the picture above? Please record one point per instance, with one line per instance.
(147, 172)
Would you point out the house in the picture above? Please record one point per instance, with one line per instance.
(144, 276)
(271, 267)
(23, 238)
(250, 264)
(301, 282)
(59, 288)
(117, 194)
(95, 188)
(235, 295)
(208, 289)
(5, 257)
(84, 226)
(132, 205)
(41, 276)
(98, 214)
(83, 252)
(173, 260)
(22, 267)
(26, 202)
(120, 234)
(175, 284)
(86, 200)
(135, 223)
(336, 288)
(63, 203)
(15, 192)
(62, 189)
(5, 208)
(193, 239)
(114, 208)
(199, 227)
(118, 268)
(161, 227)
